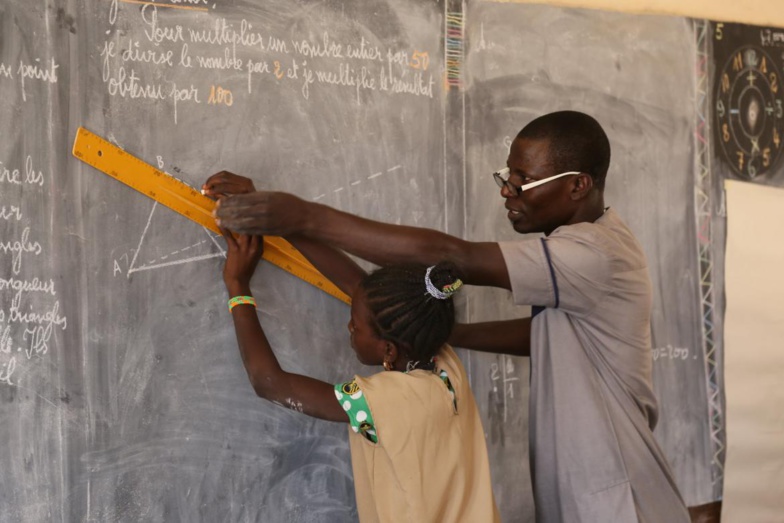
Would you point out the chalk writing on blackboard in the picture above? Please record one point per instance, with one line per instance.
(26, 176)
(30, 310)
(152, 64)
(5, 71)
(37, 71)
(483, 44)
(504, 377)
(27, 72)
(671, 353)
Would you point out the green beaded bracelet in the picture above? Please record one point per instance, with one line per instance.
(241, 300)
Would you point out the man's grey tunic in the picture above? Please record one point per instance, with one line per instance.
(592, 408)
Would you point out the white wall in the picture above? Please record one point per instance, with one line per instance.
(756, 12)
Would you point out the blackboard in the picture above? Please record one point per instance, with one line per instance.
(123, 397)
(122, 394)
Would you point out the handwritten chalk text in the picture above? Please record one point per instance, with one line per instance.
(133, 53)
(130, 86)
(27, 286)
(19, 247)
(156, 33)
(134, 66)
(224, 34)
(10, 213)
(7, 370)
(27, 177)
(47, 74)
(5, 70)
(188, 94)
(670, 352)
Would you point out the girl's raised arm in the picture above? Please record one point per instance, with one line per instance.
(302, 393)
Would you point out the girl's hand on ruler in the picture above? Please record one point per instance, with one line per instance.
(242, 256)
(226, 183)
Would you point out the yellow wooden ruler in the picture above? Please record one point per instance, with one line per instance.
(179, 197)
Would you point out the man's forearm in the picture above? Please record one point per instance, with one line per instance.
(336, 265)
(283, 214)
(387, 244)
(511, 337)
(377, 242)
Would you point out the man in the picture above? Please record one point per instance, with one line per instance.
(592, 408)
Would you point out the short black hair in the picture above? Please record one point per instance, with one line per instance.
(405, 313)
(577, 143)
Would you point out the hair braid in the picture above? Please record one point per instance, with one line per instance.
(406, 313)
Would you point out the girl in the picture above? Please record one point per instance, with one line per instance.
(417, 444)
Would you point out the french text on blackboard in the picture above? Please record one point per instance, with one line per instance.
(151, 63)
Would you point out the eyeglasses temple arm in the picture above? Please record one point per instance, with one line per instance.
(542, 182)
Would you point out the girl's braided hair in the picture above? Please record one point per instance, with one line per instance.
(405, 313)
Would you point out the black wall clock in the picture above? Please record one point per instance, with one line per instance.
(748, 99)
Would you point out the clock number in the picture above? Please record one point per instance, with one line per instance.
(725, 83)
(719, 31)
(763, 66)
(720, 109)
(774, 83)
(725, 132)
(776, 138)
(741, 157)
(752, 170)
(754, 146)
(766, 157)
(779, 109)
(737, 62)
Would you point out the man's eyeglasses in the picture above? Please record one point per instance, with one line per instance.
(518, 189)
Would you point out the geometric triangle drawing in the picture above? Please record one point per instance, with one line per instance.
(188, 254)
(200, 250)
(373, 177)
